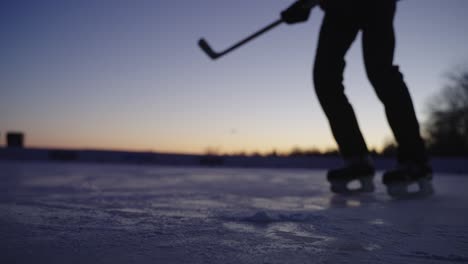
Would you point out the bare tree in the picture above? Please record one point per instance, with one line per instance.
(447, 125)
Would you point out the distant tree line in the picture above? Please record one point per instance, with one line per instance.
(447, 126)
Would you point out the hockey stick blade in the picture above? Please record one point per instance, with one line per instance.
(208, 50)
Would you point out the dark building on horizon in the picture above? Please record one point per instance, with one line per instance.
(15, 140)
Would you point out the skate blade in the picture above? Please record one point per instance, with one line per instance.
(341, 187)
(400, 190)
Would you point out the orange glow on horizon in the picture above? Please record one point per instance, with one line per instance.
(257, 139)
(186, 147)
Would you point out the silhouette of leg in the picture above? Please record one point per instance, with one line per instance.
(338, 31)
(378, 47)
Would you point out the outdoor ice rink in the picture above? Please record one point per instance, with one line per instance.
(91, 213)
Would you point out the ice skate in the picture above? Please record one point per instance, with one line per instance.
(398, 181)
(361, 170)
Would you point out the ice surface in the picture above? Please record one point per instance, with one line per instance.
(78, 213)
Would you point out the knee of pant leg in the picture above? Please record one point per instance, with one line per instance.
(323, 85)
(378, 74)
(320, 78)
(386, 81)
(327, 79)
(377, 80)
(328, 95)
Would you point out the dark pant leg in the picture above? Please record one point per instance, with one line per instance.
(378, 47)
(338, 31)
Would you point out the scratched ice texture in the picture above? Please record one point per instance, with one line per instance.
(94, 213)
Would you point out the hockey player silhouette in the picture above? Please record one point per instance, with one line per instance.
(342, 22)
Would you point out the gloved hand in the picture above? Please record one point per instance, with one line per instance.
(296, 13)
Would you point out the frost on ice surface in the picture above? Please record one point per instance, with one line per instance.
(78, 213)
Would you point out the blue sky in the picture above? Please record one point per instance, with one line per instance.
(118, 74)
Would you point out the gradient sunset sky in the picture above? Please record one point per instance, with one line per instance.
(127, 74)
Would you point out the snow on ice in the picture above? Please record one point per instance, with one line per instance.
(85, 213)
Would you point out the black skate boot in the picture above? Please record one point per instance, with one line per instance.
(358, 169)
(398, 180)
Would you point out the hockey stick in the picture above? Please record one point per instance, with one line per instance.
(214, 55)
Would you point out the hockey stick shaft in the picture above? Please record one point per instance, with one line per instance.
(254, 35)
(214, 55)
